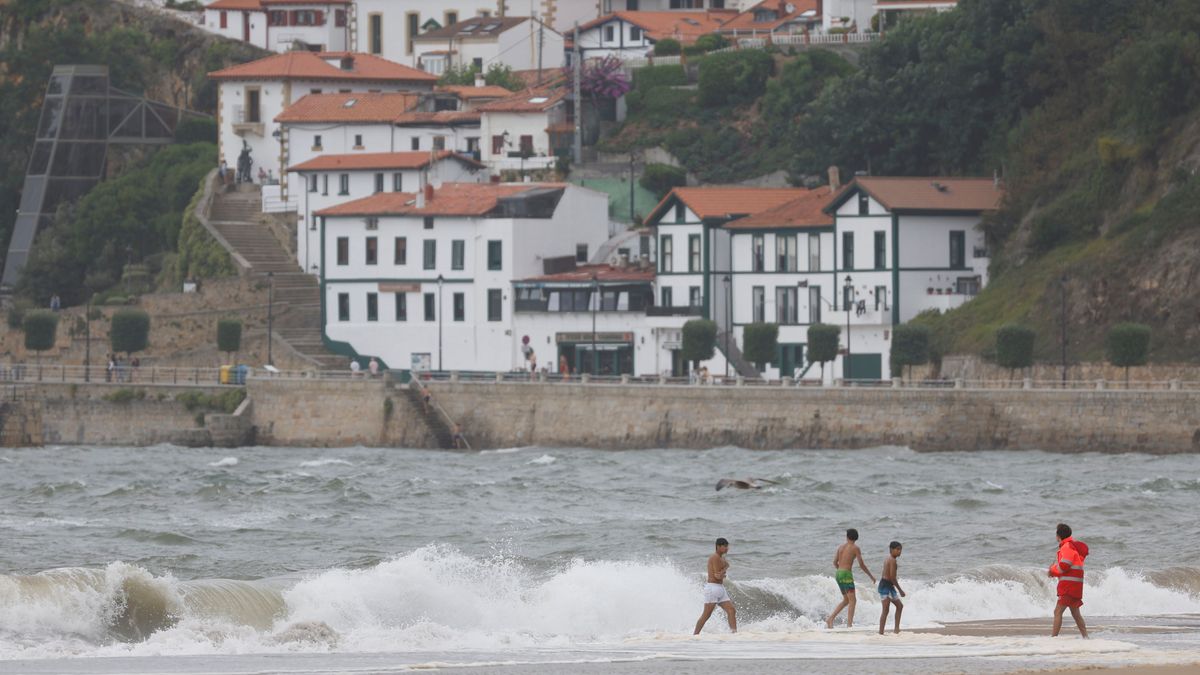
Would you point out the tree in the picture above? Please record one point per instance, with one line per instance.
(1014, 346)
(699, 340)
(130, 331)
(667, 47)
(660, 178)
(40, 326)
(711, 42)
(1128, 344)
(229, 335)
(497, 75)
(760, 341)
(734, 77)
(823, 341)
(910, 347)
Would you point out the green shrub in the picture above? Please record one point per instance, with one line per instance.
(660, 178)
(1014, 346)
(40, 327)
(130, 331)
(1128, 345)
(229, 335)
(196, 130)
(226, 402)
(125, 395)
(910, 347)
(760, 341)
(711, 42)
(699, 340)
(16, 313)
(667, 47)
(823, 341)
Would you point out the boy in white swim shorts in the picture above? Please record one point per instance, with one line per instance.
(714, 591)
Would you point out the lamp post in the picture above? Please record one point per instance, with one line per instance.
(728, 319)
(595, 306)
(270, 317)
(441, 280)
(847, 300)
(1062, 291)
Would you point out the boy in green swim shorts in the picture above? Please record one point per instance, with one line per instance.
(843, 560)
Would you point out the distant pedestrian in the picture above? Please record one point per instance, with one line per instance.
(564, 367)
(133, 368)
(532, 365)
(222, 170)
(355, 369)
(111, 368)
(55, 303)
(373, 367)
(459, 439)
(1068, 568)
(427, 397)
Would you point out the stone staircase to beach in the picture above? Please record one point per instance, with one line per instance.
(433, 420)
(237, 215)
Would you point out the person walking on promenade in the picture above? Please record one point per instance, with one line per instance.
(1068, 569)
(889, 586)
(714, 591)
(564, 367)
(373, 367)
(843, 560)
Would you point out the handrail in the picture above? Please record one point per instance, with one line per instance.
(204, 210)
(450, 424)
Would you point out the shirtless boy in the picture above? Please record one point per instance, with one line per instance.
(889, 586)
(843, 560)
(714, 590)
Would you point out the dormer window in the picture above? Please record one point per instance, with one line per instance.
(764, 15)
(347, 63)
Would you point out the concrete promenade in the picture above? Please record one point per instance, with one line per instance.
(377, 412)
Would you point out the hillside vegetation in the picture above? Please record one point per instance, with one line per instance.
(137, 216)
(1086, 108)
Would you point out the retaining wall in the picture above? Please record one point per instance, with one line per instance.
(325, 413)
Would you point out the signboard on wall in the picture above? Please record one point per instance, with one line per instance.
(587, 337)
(422, 363)
(397, 287)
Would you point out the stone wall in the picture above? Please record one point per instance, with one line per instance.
(627, 417)
(337, 413)
(69, 414)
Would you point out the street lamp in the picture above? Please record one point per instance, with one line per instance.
(728, 320)
(595, 306)
(270, 316)
(847, 300)
(441, 280)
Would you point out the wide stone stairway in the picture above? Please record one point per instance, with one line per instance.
(433, 420)
(238, 217)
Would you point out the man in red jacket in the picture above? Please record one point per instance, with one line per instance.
(1068, 568)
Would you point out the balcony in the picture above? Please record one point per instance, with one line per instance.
(674, 311)
(241, 127)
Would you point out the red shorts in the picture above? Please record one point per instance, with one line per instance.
(1070, 601)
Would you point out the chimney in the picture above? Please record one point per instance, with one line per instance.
(623, 260)
(835, 179)
(821, 8)
(428, 192)
(479, 81)
(421, 190)
(783, 8)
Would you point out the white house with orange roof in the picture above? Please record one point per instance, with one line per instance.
(424, 279)
(252, 95)
(776, 17)
(282, 25)
(327, 180)
(632, 34)
(517, 42)
(468, 97)
(527, 130)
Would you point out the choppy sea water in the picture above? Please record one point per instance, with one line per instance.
(376, 560)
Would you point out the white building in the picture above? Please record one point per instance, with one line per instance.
(282, 25)
(591, 316)
(526, 130)
(329, 180)
(520, 43)
(892, 12)
(252, 95)
(633, 34)
(425, 278)
(777, 17)
(848, 14)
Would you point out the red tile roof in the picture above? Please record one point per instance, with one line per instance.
(745, 23)
(468, 91)
(682, 26)
(451, 199)
(910, 4)
(243, 5)
(926, 194)
(439, 118)
(602, 273)
(474, 27)
(545, 77)
(302, 65)
(306, 2)
(361, 107)
(726, 201)
(379, 161)
(530, 100)
(801, 212)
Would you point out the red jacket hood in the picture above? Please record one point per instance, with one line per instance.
(1080, 547)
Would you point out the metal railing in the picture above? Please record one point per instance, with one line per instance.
(99, 373)
(762, 41)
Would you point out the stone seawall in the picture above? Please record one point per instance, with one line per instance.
(629, 417)
(338, 413)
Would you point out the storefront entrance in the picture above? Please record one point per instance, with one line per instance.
(612, 356)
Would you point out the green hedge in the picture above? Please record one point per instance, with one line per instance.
(699, 340)
(667, 47)
(229, 335)
(910, 347)
(1014, 346)
(40, 327)
(823, 340)
(130, 330)
(760, 341)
